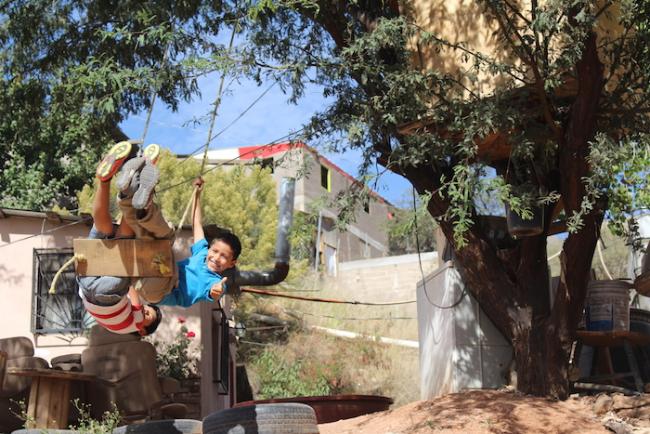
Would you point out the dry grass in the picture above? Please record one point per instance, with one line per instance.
(354, 366)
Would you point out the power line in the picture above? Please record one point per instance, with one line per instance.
(424, 280)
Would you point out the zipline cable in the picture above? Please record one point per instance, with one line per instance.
(322, 300)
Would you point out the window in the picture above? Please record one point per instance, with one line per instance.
(325, 178)
(366, 206)
(62, 312)
(267, 163)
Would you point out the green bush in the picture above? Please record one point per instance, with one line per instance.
(175, 359)
(280, 379)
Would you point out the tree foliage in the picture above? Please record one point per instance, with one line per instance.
(73, 70)
(411, 230)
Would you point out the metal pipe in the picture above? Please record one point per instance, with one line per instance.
(238, 278)
(316, 254)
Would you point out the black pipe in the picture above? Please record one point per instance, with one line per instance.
(237, 278)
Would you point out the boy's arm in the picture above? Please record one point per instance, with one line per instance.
(197, 216)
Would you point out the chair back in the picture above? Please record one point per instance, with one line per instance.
(126, 369)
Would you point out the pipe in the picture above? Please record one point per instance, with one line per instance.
(237, 278)
(317, 250)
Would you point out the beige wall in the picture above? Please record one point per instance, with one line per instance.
(16, 281)
(465, 22)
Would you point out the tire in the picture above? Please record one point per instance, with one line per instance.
(170, 426)
(289, 418)
(44, 431)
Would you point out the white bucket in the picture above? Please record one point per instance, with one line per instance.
(608, 305)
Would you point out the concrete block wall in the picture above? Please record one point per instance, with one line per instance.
(379, 280)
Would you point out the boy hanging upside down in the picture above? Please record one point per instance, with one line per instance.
(115, 301)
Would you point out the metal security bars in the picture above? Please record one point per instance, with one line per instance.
(63, 312)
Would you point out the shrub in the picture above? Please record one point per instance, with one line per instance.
(176, 359)
(280, 379)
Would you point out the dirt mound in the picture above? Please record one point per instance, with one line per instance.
(480, 411)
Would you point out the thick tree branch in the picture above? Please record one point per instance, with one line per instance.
(574, 151)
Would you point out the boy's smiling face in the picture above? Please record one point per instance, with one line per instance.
(220, 257)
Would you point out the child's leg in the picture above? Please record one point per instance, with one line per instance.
(154, 289)
(153, 221)
(103, 220)
(101, 208)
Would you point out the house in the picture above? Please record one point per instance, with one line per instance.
(318, 180)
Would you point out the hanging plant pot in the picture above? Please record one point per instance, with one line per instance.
(518, 227)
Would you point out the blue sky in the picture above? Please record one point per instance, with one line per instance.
(270, 119)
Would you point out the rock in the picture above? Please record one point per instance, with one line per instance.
(603, 404)
(617, 425)
(621, 402)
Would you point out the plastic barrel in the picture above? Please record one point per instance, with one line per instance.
(608, 305)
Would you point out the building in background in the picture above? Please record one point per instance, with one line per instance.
(319, 181)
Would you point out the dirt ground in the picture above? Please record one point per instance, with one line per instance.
(483, 411)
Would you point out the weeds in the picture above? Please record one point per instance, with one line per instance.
(88, 425)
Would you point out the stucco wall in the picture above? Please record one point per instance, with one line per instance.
(16, 281)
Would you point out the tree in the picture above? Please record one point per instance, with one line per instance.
(411, 230)
(563, 98)
(557, 107)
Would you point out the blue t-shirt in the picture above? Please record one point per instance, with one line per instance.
(194, 279)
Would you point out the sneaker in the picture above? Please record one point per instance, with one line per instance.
(131, 188)
(113, 160)
(127, 173)
(148, 179)
(125, 178)
(151, 153)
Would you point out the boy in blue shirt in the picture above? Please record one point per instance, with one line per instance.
(200, 277)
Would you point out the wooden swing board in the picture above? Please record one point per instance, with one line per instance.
(125, 258)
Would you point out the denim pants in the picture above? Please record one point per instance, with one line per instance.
(103, 290)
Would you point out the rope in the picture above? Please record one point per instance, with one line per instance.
(424, 280)
(217, 102)
(213, 118)
(322, 300)
(75, 257)
(602, 260)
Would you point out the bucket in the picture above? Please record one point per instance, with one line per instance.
(608, 305)
(518, 227)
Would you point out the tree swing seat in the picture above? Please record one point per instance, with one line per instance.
(124, 258)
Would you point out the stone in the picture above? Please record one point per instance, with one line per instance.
(603, 404)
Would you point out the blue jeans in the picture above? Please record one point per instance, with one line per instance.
(103, 290)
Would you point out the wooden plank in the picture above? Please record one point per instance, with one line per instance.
(125, 258)
(32, 405)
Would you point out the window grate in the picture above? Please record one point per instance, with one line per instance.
(62, 312)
